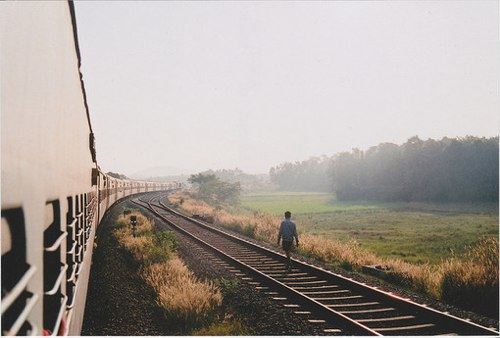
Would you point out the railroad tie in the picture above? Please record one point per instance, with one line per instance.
(302, 312)
(404, 328)
(306, 283)
(332, 330)
(325, 292)
(368, 311)
(279, 298)
(338, 298)
(387, 319)
(312, 287)
(352, 304)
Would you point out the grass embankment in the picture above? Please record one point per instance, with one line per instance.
(190, 305)
(469, 280)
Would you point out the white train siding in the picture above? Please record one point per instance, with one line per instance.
(44, 128)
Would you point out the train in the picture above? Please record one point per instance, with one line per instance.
(54, 194)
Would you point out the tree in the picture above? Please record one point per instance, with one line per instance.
(213, 190)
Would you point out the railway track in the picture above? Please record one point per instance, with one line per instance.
(341, 304)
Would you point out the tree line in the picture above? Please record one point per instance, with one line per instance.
(448, 170)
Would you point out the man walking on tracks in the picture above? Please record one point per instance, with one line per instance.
(288, 231)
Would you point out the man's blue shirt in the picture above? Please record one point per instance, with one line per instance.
(288, 231)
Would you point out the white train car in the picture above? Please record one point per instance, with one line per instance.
(53, 192)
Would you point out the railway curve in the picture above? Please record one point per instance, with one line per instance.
(346, 306)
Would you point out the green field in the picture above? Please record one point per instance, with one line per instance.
(414, 232)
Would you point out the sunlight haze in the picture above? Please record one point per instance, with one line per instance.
(215, 85)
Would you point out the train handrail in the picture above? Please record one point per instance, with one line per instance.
(78, 255)
(73, 273)
(55, 330)
(22, 316)
(73, 223)
(58, 281)
(57, 243)
(79, 269)
(90, 203)
(72, 304)
(69, 318)
(17, 289)
(72, 251)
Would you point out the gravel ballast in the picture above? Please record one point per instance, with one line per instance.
(120, 303)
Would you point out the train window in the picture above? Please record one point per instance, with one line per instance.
(95, 175)
(54, 271)
(85, 221)
(92, 146)
(71, 250)
(17, 301)
(88, 217)
(13, 260)
(79, 229)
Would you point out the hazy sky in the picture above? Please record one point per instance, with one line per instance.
(229, 84)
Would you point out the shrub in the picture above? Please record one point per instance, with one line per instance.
(186, 300)
(142, 244)
(160, 248)
(226, 328)
(474, 277)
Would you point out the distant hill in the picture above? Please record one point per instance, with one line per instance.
(158, 172)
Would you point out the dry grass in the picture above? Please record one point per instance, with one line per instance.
(260, 226)
(187, 302)
(183, 297)
(143, 238)
(463, 280)
(473, 278)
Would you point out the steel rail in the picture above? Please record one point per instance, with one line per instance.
(341, 320)
(444, 320)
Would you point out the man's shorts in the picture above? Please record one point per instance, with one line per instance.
(287, 246)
